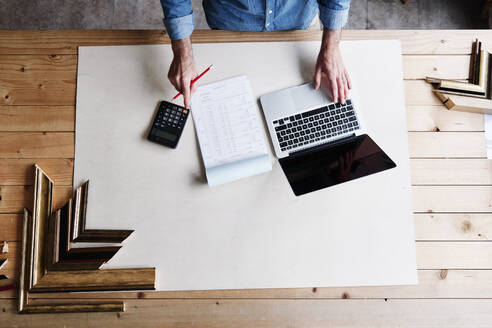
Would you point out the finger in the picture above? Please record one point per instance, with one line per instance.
(176, 84)
(341, 93)
(317, 78)
(345, 86)
(334, 89)
(193, 88)
(347, 77)
(185, 89)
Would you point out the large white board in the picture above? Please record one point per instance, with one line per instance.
(253, 233)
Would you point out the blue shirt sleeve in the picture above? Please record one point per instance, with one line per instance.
(178, 18)
(333, 13)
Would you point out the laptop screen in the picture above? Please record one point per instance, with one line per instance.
(330, 165)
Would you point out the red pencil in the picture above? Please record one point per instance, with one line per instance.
(194, 80)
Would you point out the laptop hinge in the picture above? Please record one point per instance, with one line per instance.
(323, 146)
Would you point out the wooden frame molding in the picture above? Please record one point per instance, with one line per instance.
(51, 264)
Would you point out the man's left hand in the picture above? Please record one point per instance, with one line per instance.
(330, 64)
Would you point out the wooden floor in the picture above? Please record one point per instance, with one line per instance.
(451, 177)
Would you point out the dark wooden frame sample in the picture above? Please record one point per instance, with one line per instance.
(50, 263)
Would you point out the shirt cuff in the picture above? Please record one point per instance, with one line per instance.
(180, 27)
(333, 19)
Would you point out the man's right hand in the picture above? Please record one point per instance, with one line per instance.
(182, 70)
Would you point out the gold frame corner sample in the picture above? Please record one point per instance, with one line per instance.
(50, 264)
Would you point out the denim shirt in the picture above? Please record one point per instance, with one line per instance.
(254, 15)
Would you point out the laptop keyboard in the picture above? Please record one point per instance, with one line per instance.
(315, 125)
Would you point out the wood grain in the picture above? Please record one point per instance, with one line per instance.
(454, 255)
(37, 145)
(451, 171)
(457, 42)
(432, 284)
(16, 198)
(441, 283)
(453, 227)
(11, 227)
(448, 67)
(438, 118)
(19, 172)
(37, 79)
(273, 313)
(419, 93)
(37, 118)
(452, 199)
(446, 145)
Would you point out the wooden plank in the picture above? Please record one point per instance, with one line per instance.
(11, 227)
(20, 172)
(451, 171)
(432, 284)
(421, 144)
(353, 313)
(37, 118)
(447, 145)
(15, 198)
(445, 67)
(450, 227)
(438, 118)
(38, 79)
(419, 93)
(37, 144)
(452, 199)
(456, 42)
(454, 255)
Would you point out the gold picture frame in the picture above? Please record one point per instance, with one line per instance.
(43, 269)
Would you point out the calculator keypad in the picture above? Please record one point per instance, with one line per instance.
(168, 124)
(170, 116)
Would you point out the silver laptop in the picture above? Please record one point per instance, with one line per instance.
(320, 143)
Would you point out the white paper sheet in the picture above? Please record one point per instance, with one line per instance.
(228, 128)
(251, 233)
(488, 134)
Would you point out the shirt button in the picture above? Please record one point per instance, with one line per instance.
(270, 11)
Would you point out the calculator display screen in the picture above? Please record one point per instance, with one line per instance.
(164, 134)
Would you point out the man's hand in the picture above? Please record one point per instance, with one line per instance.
(330, 64)
(182, 69)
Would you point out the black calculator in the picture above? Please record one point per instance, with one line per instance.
(168, 124)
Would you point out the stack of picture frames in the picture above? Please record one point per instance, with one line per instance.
(51, 263)
(471, 96)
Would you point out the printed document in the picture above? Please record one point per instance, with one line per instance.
(229, 131)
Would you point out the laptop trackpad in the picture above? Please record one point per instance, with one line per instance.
(330, 165)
